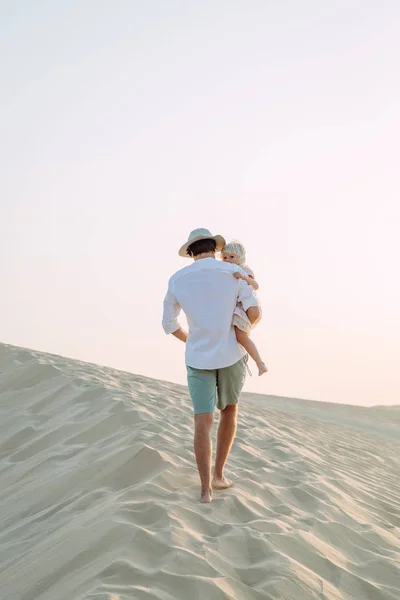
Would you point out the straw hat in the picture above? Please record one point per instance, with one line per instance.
(201, 234)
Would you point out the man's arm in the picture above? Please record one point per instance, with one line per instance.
(171, 310)
(180, 334)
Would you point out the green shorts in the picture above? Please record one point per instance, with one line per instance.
(217, 387)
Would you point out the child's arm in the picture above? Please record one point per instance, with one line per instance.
(248, 279)
(251, 281)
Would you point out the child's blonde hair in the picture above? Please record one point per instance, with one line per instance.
(237, 249)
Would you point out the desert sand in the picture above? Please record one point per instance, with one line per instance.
(99, 493)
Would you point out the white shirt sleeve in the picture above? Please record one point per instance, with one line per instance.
(246, 295)
(171, 311)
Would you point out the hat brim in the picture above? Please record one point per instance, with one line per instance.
(218, 238)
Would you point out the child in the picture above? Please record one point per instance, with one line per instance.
(235, 253)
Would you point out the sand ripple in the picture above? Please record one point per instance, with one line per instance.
(99, 493)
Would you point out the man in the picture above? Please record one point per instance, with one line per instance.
(207, 291)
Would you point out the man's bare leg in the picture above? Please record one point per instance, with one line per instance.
(203, 450)
(250, 347)
(225, 437)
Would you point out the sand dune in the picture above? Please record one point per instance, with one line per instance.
(99, 493)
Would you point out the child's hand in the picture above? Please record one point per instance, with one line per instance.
(238, 275)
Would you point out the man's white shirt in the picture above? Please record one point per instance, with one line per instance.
(207, 292)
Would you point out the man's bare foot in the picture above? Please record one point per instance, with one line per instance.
(220, 483)
(262, 368)
(206, 497)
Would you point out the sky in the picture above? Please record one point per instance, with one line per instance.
(127, 124)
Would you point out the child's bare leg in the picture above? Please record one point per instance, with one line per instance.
(254, 314)
(251, 348)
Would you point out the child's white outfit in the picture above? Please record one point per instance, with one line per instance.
(240, 318)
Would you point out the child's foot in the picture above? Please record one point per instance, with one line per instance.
(262, 368)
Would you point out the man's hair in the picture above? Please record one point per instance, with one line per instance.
(202, 246)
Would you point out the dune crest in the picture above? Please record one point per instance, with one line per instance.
(98, 493)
